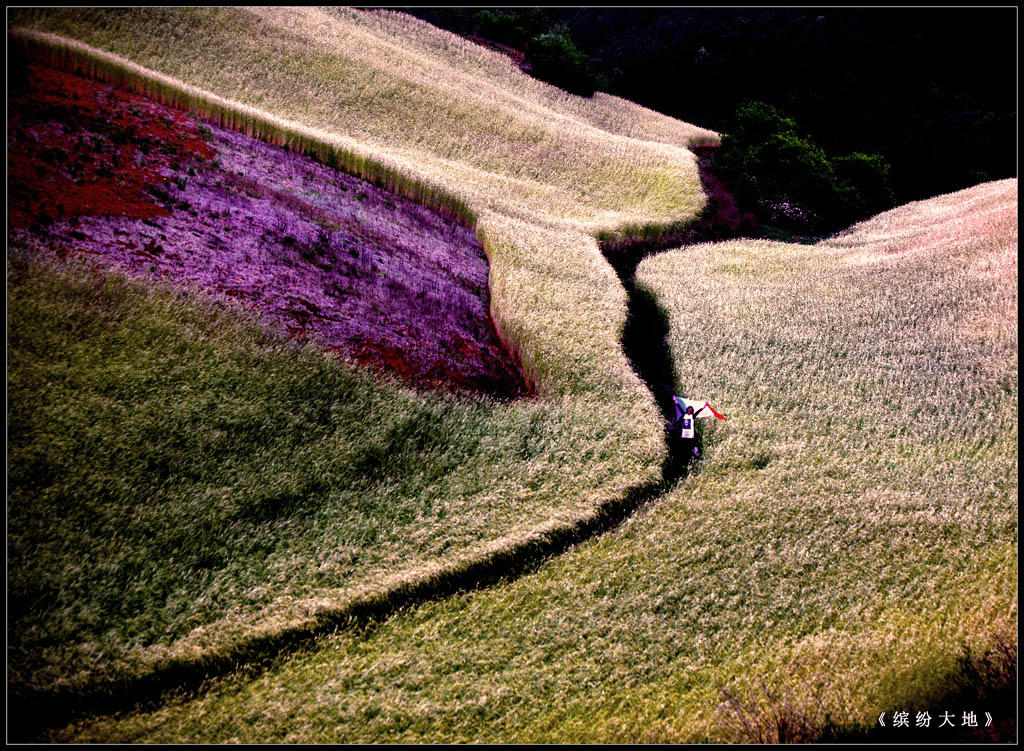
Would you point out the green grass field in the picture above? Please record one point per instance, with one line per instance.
(172, 467)
(181, 482)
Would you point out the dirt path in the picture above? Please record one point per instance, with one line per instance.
(645, 336)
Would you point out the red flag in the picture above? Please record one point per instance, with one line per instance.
(716, 414)
(702, 407)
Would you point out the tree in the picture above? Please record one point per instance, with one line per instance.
(864, 185)
(791, 182)
(554, 57)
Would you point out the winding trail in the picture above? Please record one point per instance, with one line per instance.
(645, 336)
(645, 342)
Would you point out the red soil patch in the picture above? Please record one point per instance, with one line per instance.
(55, 172)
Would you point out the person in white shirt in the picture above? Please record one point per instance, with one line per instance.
(684, 430)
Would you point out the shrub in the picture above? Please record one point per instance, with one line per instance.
(554, 57)
(791, 181)
(514, 28)
(864, 183)
(757, 121)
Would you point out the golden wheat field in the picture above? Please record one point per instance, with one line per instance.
(832, 559)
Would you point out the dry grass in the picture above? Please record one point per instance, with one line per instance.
(528, 164)
(841, 543)
(836, 554)
(455, 121)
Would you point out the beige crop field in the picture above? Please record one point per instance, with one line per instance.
(848, 537)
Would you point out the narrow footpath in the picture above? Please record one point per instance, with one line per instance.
(645, 336)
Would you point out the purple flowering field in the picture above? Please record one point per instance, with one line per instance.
(324, 256)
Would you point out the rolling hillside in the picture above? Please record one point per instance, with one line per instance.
(190, 492)
(839, 554)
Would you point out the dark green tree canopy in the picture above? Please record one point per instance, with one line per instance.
(791, 182)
